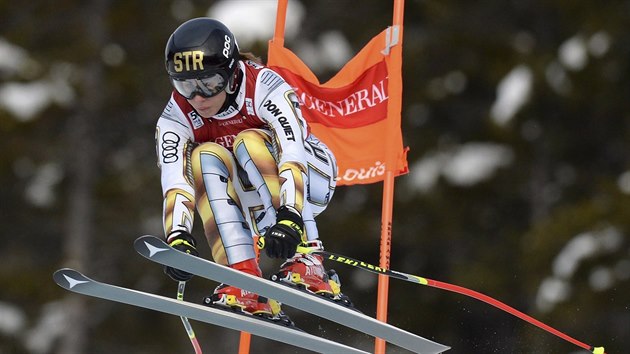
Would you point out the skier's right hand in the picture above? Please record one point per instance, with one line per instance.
(181, 240)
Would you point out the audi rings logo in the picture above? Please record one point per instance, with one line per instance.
(170, 141)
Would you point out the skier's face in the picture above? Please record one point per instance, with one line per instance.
(208, 106)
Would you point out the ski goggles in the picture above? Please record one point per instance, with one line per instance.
(208, 86)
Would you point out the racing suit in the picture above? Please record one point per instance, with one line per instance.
(239, 166)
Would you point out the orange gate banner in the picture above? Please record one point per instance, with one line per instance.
(354, 113)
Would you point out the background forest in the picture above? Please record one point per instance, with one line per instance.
(515, 111)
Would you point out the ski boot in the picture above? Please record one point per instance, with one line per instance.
(245, 302)
(306, 272)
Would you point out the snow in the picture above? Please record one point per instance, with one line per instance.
(580, 247)
(573, 53)
(557, 287)
(599, 44)
(601, 278)
(39, 191)
(476, 162)
(261, 19)
(42, 336)
(50, 326)
(26, 100)
(512, 94)
(330, 50)
(515, 88)
(623, 182)
(13, 97)
(13, 56)
(462, 165)
(12, 319)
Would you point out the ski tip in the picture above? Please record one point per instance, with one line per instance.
(142, 241)
(145, 238)
(68, 278)
(148, 245)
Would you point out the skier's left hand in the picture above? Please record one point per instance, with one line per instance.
(282, 239)
(181, 240)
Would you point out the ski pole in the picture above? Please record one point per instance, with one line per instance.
(457, 289)
(444, 286)
(191, 334)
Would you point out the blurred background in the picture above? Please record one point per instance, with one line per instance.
(515, 111)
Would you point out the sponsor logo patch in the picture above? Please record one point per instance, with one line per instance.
(196, 120)
(169, 147)
(284, 122)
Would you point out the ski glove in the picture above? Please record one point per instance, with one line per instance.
(282, 239)
(181, 240)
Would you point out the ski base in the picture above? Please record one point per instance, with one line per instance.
(157, 250)
(73, 280)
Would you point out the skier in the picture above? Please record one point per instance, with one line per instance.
(232, 144)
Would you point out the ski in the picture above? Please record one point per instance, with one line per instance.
(73, 280)
(157, 250)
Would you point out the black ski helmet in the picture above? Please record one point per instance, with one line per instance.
(200, 48)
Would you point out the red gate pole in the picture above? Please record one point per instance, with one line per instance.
(393, 112)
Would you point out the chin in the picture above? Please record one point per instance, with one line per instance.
(206, 113)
